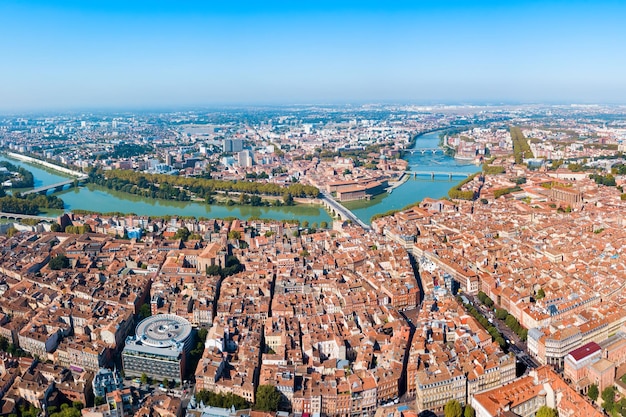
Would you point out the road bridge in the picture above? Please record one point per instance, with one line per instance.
(423, 151)
(433, 174)
(59, 185)
(338, 210)
(16, 216)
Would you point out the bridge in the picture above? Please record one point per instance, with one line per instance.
(433, 174)
(59, 185)
(338, 210)
(423, 151)
(16, 216)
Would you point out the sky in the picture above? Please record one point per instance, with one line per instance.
(62, 54)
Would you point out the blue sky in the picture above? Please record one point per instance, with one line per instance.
(129, 54)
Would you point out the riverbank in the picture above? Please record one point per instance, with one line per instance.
(46, 164)
(404, 178)
(415, 189)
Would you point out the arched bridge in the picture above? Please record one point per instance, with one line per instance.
(433, 174)
(338, 210)
(16, 216)
(423, 151)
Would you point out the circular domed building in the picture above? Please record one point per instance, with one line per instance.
(158, 348)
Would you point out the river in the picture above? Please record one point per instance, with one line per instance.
(96, 198)
(416, 189)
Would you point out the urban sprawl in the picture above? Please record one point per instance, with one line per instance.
(504, 298)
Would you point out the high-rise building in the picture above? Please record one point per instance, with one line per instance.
(232, 145)
(245, 158)
(158, 348)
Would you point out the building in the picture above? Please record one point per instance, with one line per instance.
(245, 158)
(232, 145)
(106, 381)
(158, 348)
(524, 396)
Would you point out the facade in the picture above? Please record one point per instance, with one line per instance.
(159, 348)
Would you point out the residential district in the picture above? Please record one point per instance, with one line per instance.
(504, 300)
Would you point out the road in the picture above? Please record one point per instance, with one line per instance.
(345, 213)
(516, 345)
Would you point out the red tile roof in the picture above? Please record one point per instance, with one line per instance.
(585, 350)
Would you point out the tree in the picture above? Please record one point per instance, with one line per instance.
(59, 262)
(288, 199)
(323, 225)
(98, 401)
(144, 378)
(545, 411)
(55, 227)
(469, 411)
(501, 313)
(166, 382)
(608, 398)
(145, 311)
(182, 233)
(267, 398)
(453, 409)
(234, 234)
(540, 294)
(202, 334)
(593, 392)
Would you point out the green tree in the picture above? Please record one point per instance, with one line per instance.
(145, 311)
(608, 398)
(144, 378)
(234, 234)
(267, 398)
(182, 233)
(166, 382)
(288, 199)
(545, 411)
(593, 392)
(540, 294)
(59, 262)
(98, 401)
(202, 334)
(323, 225)
(453, 409)
(469, 411)
(501, 313)
(55, 227)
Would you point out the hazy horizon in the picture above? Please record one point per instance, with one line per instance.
(160, 54)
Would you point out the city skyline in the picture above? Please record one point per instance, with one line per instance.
(160, 54)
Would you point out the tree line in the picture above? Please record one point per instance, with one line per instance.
(25, 179)
(180, 188)
(503, 315)
(521, 149)
(30, 204)
(457, 193)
